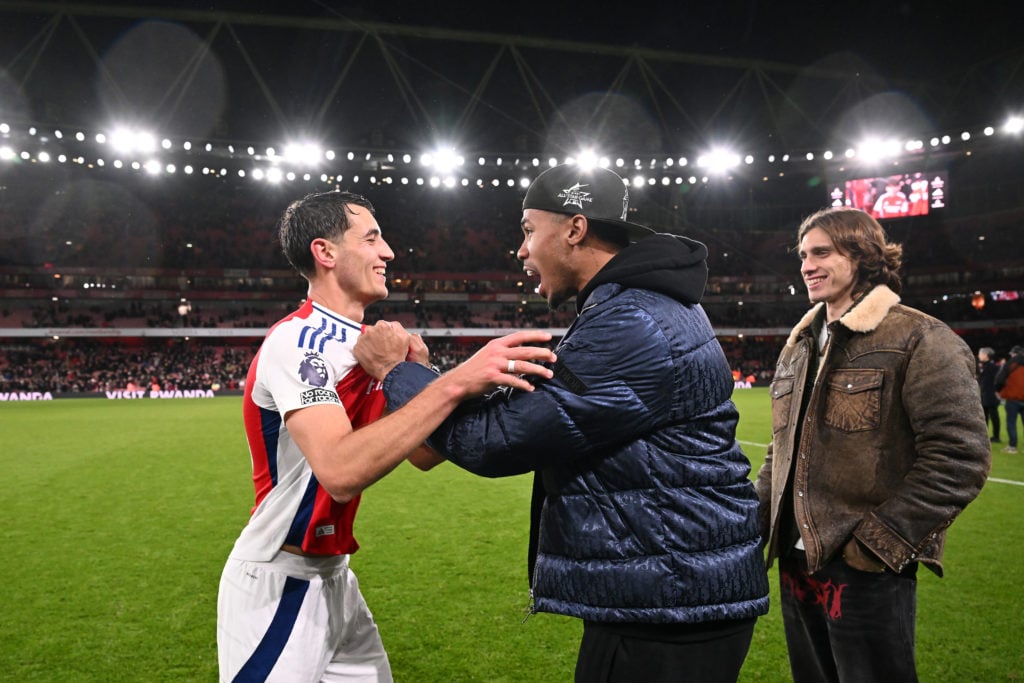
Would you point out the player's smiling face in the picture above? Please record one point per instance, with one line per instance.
(830, 276)
(363, 258)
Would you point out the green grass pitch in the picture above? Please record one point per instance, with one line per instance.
(118, 515)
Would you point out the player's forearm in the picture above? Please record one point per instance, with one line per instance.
(372, 451)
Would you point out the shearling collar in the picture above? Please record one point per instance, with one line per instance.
(864, 316)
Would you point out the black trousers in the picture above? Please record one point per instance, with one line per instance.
(848, 626)
(711, 652)
(992, 415)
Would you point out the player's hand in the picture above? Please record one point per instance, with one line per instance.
(381, 347)
(418, 351)
(504, 362)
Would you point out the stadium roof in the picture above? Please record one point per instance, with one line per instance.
(515, 78)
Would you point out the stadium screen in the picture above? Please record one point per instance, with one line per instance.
(893, 196)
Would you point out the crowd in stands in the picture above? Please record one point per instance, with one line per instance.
(83, 366)
(74, 366)
(88, 220)
(153, 244)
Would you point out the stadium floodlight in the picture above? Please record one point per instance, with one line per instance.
(6, 153)
(1014, 125)
(718, 161)
(303, 153)
(129, 140)
(586, 159)
(444, 159)
(875, 149)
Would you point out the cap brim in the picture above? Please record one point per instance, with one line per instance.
(635, 231)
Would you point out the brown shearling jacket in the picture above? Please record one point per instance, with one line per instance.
(892, 444)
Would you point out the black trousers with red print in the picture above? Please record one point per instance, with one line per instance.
(848, 626)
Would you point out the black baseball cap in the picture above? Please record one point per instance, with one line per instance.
(597, 193)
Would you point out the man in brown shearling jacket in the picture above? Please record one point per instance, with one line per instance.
(878, 442)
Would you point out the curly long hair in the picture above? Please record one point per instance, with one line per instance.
(860, 237)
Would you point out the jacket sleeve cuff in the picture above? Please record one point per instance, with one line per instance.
(405, 381)
(892, 548)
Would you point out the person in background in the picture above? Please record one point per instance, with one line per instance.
(892, 203)
(289, 607)
(987, 369)
(878, 443)
(644, 521)
(1009, 384)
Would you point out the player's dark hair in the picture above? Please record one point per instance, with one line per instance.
(318, 215)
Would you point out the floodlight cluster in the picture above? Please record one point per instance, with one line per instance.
(443, 166)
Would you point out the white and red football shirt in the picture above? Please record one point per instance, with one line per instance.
(306, 359)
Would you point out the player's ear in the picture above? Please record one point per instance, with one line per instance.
(324, 252)
(577, 229)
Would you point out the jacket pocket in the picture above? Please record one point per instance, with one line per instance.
(782, 399)
(854, 399)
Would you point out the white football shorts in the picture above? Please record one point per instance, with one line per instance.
(296, 618)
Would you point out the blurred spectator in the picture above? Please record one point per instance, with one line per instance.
(987, 369)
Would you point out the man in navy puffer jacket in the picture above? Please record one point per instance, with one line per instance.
(645, 521)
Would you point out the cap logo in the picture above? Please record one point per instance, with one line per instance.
(575, 196)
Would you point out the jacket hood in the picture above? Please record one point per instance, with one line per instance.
(864, 316)
(668, 264)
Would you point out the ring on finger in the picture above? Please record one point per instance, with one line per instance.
(511, 367)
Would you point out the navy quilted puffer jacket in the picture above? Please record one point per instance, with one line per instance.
(646, 512)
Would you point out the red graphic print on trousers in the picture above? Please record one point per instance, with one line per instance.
(806, 588)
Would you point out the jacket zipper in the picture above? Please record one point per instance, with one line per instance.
(531, 607)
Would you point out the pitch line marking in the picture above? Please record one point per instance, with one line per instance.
(1000, 481)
